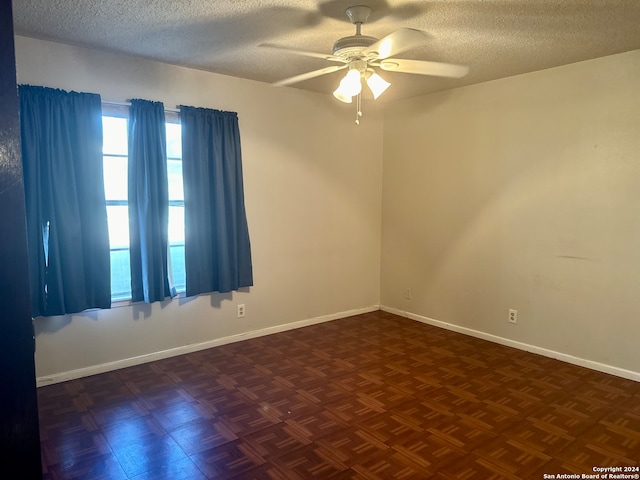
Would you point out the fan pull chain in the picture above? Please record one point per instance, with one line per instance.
(358, 108)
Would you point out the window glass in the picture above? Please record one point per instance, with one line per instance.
(174, 174)
(176, 224)
(115, 177)
(114, 136)
(174, 140)
(177, 267)
(120, 275)
(118, 218)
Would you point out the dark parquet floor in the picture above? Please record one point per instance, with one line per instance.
(373, 396)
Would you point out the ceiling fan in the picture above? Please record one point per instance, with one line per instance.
(359, 54)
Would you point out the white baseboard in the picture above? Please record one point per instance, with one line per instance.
(600, 367)
(129, 362)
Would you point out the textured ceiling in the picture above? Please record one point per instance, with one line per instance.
(495, 38)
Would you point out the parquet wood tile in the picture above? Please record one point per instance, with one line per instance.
(420, 415)
(321, 394)
(510, 455)
(283, 408)
(460, 435)
(389, 465)
(201, 436)
(229, 460)
(184, 469)
(475, 467)
(426, 453)
(314, 462)
(562, 421)
(154, 453)
(60, 427)
(103, 467)
(133, 431)
(220, 401)
(542, 436)
(282, 437)
(175, 415)
(373, 396)
(297, 379)
(353, 445)
(248, 420)
(577, 408)
(75, 448)
(488, 417)
(311, 426)
(354, 410)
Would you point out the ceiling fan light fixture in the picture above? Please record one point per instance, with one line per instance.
(341, 96)
(351, 85)
(377, 84)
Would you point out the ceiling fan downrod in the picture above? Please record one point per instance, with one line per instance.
(350, 47)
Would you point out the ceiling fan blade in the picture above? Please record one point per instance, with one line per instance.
(308, 75)
(305, 53)
(421, 67)
(395, 43)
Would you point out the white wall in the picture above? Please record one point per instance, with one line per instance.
(521, 193)
(313, 199)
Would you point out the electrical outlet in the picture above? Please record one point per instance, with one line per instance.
(408, 294)
(513, 316)
(241, 310)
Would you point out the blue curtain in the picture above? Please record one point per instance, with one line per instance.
(217, 247)
(68, 239)
(148, 202)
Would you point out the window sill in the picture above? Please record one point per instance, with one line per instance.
(126, 302)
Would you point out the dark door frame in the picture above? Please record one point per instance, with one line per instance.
(19, 437)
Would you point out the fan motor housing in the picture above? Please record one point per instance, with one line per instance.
(351, 46)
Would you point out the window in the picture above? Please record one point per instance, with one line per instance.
(114, 150)
(176, 205)
(115, 164)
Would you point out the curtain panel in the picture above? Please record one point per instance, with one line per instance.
(217, 246)
(148, 202)
(68, 239)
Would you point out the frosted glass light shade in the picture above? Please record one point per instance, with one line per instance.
(377, 85)
(341, 96)
(350, 85)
